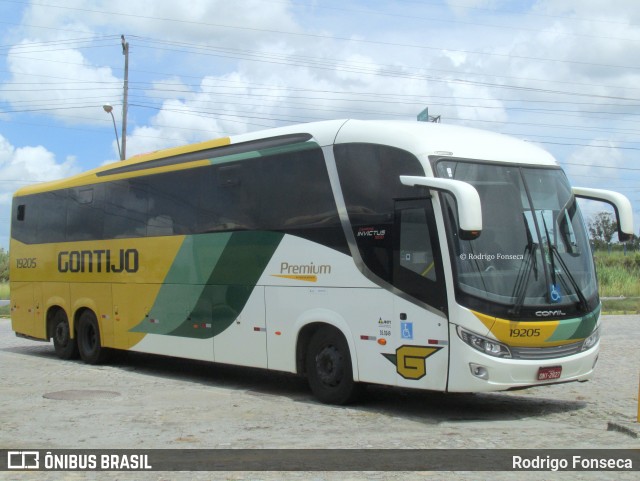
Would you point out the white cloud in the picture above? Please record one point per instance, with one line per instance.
(593, 163)
(58, 82)
(219, 68)
(24, 165)
(596, 167)
(31, 164)
(202, 21)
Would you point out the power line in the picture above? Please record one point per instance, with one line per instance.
(601, 166)
(317, 101)
(415, 76)
(330, 37)
(432, 20)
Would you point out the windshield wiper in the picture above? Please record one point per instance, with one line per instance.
(529, 264)
(584, 304)
(554, 254)
(522, 281)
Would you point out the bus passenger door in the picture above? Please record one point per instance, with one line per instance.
(422, 339)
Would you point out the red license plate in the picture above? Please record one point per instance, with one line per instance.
(549, 373)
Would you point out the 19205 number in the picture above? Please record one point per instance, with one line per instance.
(524, 332)
(26, 263)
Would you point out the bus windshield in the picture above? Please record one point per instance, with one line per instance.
(533, 251)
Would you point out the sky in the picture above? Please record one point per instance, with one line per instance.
(563, 74)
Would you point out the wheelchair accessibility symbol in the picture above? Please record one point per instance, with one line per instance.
(406, 330)
(554, 291)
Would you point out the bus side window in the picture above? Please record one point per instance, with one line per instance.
(173, 202)
(22, 229)
(50, 211)
(85, 213)
(417, 259)
(126, 209)
(370, 180)
(230, 198)
(416, 253)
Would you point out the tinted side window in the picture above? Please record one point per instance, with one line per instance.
(126, 207)
(85, 212)
(50, 209)
(23, 226)
(370, 181)
(40, 217)
(230, 197)
(297, 198)
(418, 261)
(173, 202)
(286, 191)
(296, 190)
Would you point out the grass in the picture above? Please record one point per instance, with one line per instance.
(619, 275)
(619, 279)
(621, 306)
(5, 311)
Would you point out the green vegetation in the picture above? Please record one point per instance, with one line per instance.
(619, 277)
(621, 306)
(4, 266)
(5, 311)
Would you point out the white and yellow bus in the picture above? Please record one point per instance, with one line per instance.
(407, 254)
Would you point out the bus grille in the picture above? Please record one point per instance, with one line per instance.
(545, 352)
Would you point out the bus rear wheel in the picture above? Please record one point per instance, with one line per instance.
(328, 365)
(64, 345)
(89, 343)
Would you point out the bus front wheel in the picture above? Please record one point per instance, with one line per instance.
(89, 344)
(64, 345)
(328, 365)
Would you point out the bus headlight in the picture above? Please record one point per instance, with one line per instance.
(490, 347)
(591, 341)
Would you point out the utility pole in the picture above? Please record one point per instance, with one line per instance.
(125, 52)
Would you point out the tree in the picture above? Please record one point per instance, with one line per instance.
(4, 265)
(602, 229)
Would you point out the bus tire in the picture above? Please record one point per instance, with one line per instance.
(65, 346)
(89, 342)
(328, 366)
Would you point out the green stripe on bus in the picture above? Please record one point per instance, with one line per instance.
(184, 283)
(283, 149)
(578, 328)
(203, 303)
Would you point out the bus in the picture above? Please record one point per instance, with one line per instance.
(350, 252)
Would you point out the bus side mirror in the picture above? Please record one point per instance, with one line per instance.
(621, 205)
(467, 201)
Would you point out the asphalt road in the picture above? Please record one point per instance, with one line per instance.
(142, 401)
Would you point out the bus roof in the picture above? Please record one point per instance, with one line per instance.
(421, 138)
